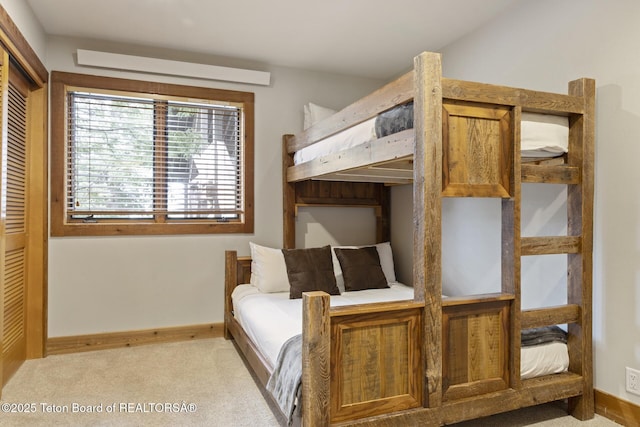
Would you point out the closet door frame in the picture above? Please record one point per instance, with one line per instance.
(24, 60)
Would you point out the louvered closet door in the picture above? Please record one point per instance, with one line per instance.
(15, 207)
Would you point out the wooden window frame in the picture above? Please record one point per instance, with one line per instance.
(62, 226)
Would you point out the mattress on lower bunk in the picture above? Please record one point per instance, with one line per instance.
(270, 319)
(542, 135)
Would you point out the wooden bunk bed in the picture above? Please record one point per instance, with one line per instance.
(439, 361)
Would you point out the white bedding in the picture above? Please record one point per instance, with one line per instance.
(270, 319)
(542, 135)
(544, 359)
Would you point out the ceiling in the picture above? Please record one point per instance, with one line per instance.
(368, 38)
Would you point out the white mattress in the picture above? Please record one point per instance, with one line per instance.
(544, 359)
(542, 135)
(270, 319)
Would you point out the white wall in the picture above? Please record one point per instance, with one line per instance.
(542, 45)
(128, 283)
(22, 15)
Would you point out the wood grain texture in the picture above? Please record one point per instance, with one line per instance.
(316, 348)
(378, 151)
(580, 265)
(477, 150)
(288, 199)
(333, 194)
(427, 211)
(621, 411)
(549, 316)
(80, 343)
(529, 100)
(230, 282)
(511, 252)
(475, 347)
(533, 392)
(550, 174)
(551, 245)
(376, 360)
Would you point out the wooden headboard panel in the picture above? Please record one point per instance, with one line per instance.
(332, 193)
(237, 270)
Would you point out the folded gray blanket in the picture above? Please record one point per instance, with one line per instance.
(286, 379)
(395, 120)
(544, 335)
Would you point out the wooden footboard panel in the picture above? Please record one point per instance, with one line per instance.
(375, 358)
(475, 346)
(375, 362)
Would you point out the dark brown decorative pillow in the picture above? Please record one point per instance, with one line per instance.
(361, 268)
(310, 270)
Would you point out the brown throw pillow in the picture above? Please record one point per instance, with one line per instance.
(361, 268)
(310, 270)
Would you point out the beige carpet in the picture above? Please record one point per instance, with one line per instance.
(195, 383)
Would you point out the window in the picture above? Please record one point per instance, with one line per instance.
(132, 157)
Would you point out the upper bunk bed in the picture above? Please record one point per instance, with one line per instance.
(374, 139)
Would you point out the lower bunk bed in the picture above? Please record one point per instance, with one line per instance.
(355, 357)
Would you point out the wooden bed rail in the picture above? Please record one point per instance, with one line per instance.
(402, 90)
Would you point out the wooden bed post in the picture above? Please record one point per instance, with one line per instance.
(383, 219)
(230, 274)
(288, 202)
(580, 265)
(316, 342)
(427, 179)
(512, 252)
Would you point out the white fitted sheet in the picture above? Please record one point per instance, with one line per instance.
(270, 319)
(542, 135)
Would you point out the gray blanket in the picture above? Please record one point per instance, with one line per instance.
(395, 120)
(537, 336)
(285, 381)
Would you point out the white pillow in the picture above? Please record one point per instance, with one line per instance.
(268, 269)
(386, 262)
(314, 113)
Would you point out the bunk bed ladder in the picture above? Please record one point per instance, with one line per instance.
(577, 174)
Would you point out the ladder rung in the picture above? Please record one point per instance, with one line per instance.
(549, 316)
(558, 174)
(551, 245)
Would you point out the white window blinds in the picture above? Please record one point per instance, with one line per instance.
(137, 158)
